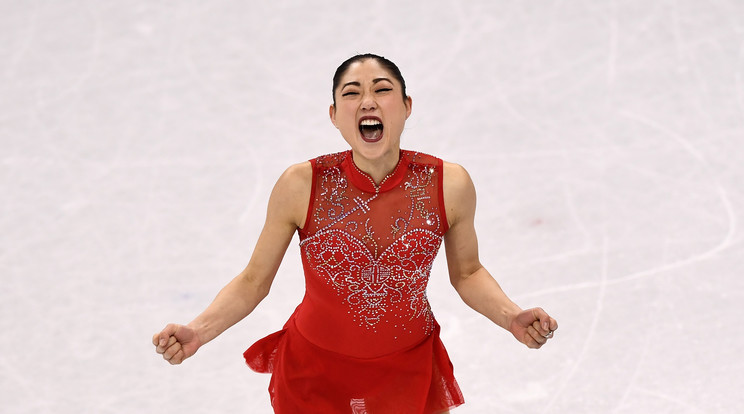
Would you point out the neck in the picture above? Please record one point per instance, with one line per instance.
(378, 168)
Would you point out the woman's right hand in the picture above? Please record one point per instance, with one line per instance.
(176, 343)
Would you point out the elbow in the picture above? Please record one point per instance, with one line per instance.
(455, 282)
(256, 286)
(458, 281)
(259, 288)
(262, 290)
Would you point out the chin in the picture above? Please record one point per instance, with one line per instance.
(374, 150)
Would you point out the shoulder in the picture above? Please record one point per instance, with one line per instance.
(458, 191)
(456, 178)
(289, 198)
(297, 177)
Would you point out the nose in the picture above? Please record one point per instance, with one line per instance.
(368, 102)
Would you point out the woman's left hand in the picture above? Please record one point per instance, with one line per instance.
(533, 327)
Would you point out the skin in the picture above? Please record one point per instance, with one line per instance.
(366, 89)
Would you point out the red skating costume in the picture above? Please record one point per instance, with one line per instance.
(364, 339)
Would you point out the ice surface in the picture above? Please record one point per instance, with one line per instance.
(139, 142)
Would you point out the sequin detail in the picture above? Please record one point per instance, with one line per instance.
(378, 266)
(372, 287)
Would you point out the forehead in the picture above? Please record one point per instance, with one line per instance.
(366, 70)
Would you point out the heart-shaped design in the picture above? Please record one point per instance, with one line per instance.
(394, 282)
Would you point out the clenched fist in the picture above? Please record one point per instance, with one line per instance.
(176, 343)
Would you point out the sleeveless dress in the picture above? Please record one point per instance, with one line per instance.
(364, 339)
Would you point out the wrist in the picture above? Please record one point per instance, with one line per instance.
(510, 315)
(200, 332)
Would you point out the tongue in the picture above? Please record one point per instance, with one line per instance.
(372, 133)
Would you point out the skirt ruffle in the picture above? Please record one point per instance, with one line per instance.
(309, 379)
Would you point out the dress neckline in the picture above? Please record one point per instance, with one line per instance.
(364, 181)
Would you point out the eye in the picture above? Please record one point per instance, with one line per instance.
(384, 90)
(349, 93)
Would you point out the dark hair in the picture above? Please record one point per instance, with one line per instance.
(385, 63)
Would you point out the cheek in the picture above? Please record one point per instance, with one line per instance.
(398, 123)
(345, 116)
(347, 126)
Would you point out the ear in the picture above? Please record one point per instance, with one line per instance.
(332, 114)
(409, 106)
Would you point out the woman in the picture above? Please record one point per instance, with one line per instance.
(371, 220)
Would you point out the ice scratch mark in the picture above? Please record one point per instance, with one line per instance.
(726, 243)
(569, 199)
(669, 133)
(722, 192)
(250, 208)
(592, 328)
(586, 244)
(675, 401)
(636, 372)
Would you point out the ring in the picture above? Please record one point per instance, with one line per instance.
(549, 335)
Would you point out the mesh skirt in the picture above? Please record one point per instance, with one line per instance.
(309, 379)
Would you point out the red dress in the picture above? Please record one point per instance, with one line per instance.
(364, 339)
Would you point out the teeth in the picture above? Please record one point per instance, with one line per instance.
(370, 122)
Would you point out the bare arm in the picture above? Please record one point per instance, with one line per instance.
(473, 282)
(286, 213)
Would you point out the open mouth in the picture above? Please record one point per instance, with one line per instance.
(371, 129)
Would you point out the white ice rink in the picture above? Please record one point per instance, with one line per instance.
(139, 141)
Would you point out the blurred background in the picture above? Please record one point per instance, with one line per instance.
(139, 142)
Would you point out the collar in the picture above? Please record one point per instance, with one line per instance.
(364, 182)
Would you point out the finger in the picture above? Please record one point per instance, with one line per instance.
(532, 343)
(540, 315)
(166, 333)
(156, 339)
(171, 341)
(177, 358)
(553, 327)
(172, 351)
(161, 349)
(539, 328)
(536, 336)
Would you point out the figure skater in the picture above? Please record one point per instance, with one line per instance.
(370, 220)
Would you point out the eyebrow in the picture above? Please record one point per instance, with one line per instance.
(374, 81)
